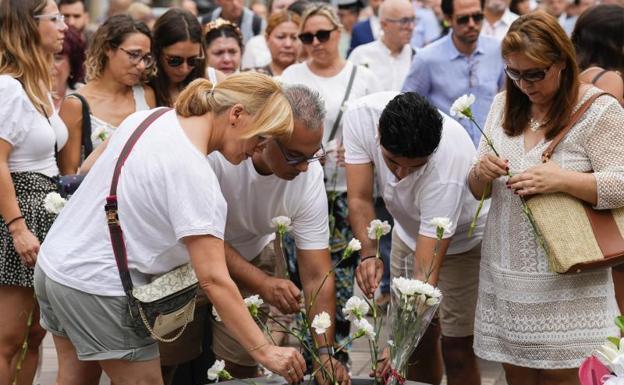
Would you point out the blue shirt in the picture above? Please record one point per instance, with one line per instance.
(441, 73)
(427, 27)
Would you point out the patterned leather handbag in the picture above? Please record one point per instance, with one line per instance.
(166, 304)
(578, 237)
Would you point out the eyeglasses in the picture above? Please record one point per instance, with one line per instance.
(322, 35)
(176, 61)
(295, 160)
(57, 18)
(531, 76)
(477, 17)
(403, 22)
(136, 56)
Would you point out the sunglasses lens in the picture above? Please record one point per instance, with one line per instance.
(323, 36)
(534, 76)
(306, 38)
(175, 61)
(463, 19)
(513, 74)
(477, 17)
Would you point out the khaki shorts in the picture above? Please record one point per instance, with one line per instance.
(458, 281)
(224, 345)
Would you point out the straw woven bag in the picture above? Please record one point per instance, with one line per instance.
(577, 237)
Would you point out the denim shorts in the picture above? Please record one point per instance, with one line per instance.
(94, 324)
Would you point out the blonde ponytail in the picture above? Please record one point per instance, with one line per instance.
(260, 96)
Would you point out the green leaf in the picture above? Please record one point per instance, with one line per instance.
(619, 321)
(615, 341)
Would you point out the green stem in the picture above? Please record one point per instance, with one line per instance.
(22, 356)
(473, 224)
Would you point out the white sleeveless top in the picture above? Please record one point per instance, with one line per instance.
(100, 130)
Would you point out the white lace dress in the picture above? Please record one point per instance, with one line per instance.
(526, 315)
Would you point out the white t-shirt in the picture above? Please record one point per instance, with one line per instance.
(332, 90)
(167, 191)
(254, 199)
(256, 53)
(438, 189)
(33, 139)
(391, 70)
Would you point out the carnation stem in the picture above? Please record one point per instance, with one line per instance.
(22, 356)
(473, 224)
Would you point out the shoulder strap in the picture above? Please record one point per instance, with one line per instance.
(598, 76)
(342, 105)
(547, 154)
(114, 228)
(86, 124)
(256, 24)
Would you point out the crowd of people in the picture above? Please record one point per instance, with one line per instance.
(331, 114)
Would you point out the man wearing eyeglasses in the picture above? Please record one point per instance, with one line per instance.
(461, 62)
(390, 56)
(419, 160)
(284, 179)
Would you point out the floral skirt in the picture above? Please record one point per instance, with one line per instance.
(31, 189)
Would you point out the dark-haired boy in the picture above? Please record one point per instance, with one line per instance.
(420, 158)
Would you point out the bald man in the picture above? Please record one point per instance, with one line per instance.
(390, 56)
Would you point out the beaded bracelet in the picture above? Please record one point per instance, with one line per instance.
(329, 350)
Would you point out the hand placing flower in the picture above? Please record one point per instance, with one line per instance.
(217, 372)
(355, 308)
(54, 203)
(321, 323)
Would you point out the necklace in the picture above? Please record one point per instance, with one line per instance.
(535, 125)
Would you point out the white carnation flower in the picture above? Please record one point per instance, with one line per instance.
(443, 222)
(354, 245)
(54, 203)
(462, 106)
(376, 229)
(355, 308)
(253, 303)
(215, 370)
(321, 322)
(282, 223)
(432, 301)
(364, 328)
(99, 135)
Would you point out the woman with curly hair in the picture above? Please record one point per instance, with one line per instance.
(31, 31)
(119, 61)
(69, 66)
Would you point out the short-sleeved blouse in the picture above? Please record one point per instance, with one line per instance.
(526, 314)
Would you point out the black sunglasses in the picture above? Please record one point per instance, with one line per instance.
(477, 17)
(531, 76)
(176, 61)
(322, 35)
(295, 160)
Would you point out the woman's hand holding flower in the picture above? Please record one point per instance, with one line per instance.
(544, 178)
(490, 167)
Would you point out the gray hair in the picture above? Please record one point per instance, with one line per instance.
(307, 105)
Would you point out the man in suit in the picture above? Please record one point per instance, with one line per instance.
(367, 30)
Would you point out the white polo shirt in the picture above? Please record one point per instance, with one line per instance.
(390, 70)
(254, 199)
(438, 189)
(499, 29)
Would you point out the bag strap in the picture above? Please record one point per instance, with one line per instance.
(547, 154)
(86, 124)
(116, 234)
(344, 100)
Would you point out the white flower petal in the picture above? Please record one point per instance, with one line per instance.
(321, 322)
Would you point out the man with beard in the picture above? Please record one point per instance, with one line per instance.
(461, 62)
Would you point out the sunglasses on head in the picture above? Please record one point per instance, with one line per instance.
(322, 35)
(477, 17)
(176, 61)
(529, 76)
